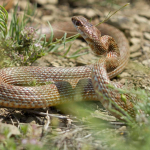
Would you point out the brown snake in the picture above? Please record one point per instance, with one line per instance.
(74, 83)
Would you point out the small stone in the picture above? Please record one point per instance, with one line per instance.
(134, 48)
(58, 129)
(55, 64)
(135, 40)
(122, 23)
(13, 130)
(145, 14)
(43, 2)
(47, 18)
(147, 88)
(122, 129)
(137, 54)
(88, 12)
(24, 4)
(139, 19)
(134, 33)
(123, 81)
(146, 62)
(124, 74)
(145, 26)
(146, 49)
(50, 7)
(147, 36)
(38, 13)
(35, 130)
(54, 2)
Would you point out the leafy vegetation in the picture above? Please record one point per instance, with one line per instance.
(20, 45)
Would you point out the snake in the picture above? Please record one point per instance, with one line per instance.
(69, 84)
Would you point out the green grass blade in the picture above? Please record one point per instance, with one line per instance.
(77, 55)
(76, 52)
(52, 34)
(5, 12)
(64, 40)
(67, 50)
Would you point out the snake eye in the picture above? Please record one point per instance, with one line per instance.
(76, 22)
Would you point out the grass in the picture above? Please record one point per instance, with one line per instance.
(19, 43)
(90, 130)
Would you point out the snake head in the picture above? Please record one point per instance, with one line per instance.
(88, 31)
(85, 28)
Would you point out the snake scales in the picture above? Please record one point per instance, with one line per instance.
(75, 83)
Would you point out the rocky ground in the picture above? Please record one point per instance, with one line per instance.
(133, 20)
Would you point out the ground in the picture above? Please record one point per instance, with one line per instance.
(69, 129)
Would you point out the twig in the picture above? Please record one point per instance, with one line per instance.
(48, 121)
(45, 114)
(17, 121)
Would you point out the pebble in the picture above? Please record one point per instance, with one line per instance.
(35, 130)
(38, 13)
(24, 4)
(146, 62)
(138, 19)
(145, 26)
(145, 14)
(135, 40)
(137, 54)
(122, 129)
(50, 7)
(43, 2)
(87, 12)
(134, 48)
(47, 18)
(13, 130)
(122, 23)
(146, 49)
(147, 35)
(124, 74)
(135, 33)
(54, 2)
(123, 81)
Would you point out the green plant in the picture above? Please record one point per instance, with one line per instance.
(19, 45)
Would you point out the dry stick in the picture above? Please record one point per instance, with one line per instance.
(8, 115)
(11, 120)
(45, 114)
(38, 118)
(48, 121)
(45, 127)
(17, 121)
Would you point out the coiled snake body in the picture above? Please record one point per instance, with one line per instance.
(76, 83)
